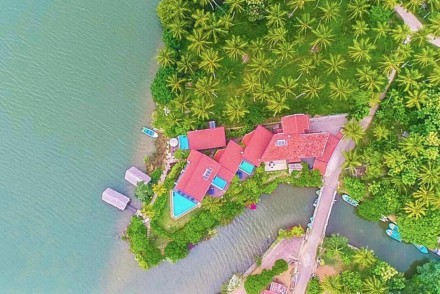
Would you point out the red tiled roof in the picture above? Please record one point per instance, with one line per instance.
(339, 135)
(231, 157)
(332, 142)
(247, 138)
(207, 138)
(225, 174)
(256, 145)
(191, 182)
(296, 146)
(295, 124)
(320, 165)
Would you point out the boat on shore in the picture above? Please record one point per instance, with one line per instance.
(393, 227)
(149, 132)
(349, 200)
(394, 235)
(421, 248)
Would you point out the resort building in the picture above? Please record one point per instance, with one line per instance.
(256, 143)
(134, 176)
(203, 139)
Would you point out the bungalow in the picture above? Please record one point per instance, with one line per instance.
(198, 139)
(256, 143)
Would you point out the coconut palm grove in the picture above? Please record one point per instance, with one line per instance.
(243, 63)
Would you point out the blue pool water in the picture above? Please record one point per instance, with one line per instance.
(183, 142)
(246, 167)
(219, 183)
(181, 204)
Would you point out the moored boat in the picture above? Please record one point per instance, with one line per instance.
(421, 248)
(149, 132)
(394, 234)
(349, 200)
(393, 226)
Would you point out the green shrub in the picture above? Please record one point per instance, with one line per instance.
(144, 192)
(256, 283)
(175, 251)
(355, 188)
(159, 89)
(314, 286)
(379, 14)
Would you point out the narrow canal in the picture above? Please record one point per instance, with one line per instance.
(361, 233)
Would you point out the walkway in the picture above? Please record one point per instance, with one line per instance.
(413, 23)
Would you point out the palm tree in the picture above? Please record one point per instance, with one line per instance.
(305, 23)
(332, 284)
(175, 83)
(424, 194)
(352, 161)
(434, 77)
(235, 109)
(275, 16)
(360, 51)
(166, 57)
(330, 11)
(178, 28)
(251, 82)
(285, 51)
(420, 37)
(179, 9)
(226, 21)
(257, 46)
(305, 66)
(212, 204)
(180, 103)
(417, 98)
(390, 63)
(415, 209)
(425, 57)
(335, 63)
(323, 37)
(286, 86)
(358, 8)
(235, 6)
(260, 65)
(198, 42)
(403, 52)
(381, 132)
(409, 79)
(186, 64)
(413, 145)
(401, 33)
(373, 285)
(353, 131)
(263, 92)
(434, 25)
(275, 35)
(200, 108)
(435, 200)
(277, 103)
(296, 4)
(206, 87)
(312, 87)
(215, 29)
(381, 30)
(234, 47)
(413, 5)
(429, 174)
(159, 189)
(341, 89)
(201, 18)
(360, 28)
(210, 61)
(364, 258)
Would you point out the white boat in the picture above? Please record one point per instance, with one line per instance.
(149, 132)
(349, 200)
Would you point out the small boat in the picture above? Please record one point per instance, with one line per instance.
(316, 202)
(318, 192)
(393, 227)
(149, 132)
(349, 200)
(421, 248)
(394, 234)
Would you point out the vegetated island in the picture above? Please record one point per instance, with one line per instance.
(244, 63)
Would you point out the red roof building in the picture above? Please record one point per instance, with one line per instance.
(197, 175)
(229, 159)
(321, 161)
(207, 139)
(295, 147)
(256, 143)
(295, 124)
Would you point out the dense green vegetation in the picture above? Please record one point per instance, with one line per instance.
(241, 62)
(360, 271)
(256, 283)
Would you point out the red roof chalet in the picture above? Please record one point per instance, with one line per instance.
(256, 142)
(207, 139)
(198, 175)
(295, 124)
(230, 159)
(321, 161)
(295, 147)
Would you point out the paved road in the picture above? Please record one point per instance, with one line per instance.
(413, 23)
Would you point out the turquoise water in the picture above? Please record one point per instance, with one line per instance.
(183, 142)
(219, 182)
(72, 100)
(246, 167)
(181, 204)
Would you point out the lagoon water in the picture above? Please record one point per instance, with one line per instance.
(74, 83)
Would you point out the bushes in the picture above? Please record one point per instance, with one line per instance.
(355, 188)
(175, 251)
(314, 287)
(159, 89)
(306, 178)
(255, 283)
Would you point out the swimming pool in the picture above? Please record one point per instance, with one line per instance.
(219, 183)
(183, 142)
(181, 204)
(246, 167)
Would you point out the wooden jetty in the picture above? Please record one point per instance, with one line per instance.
(134, 176)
